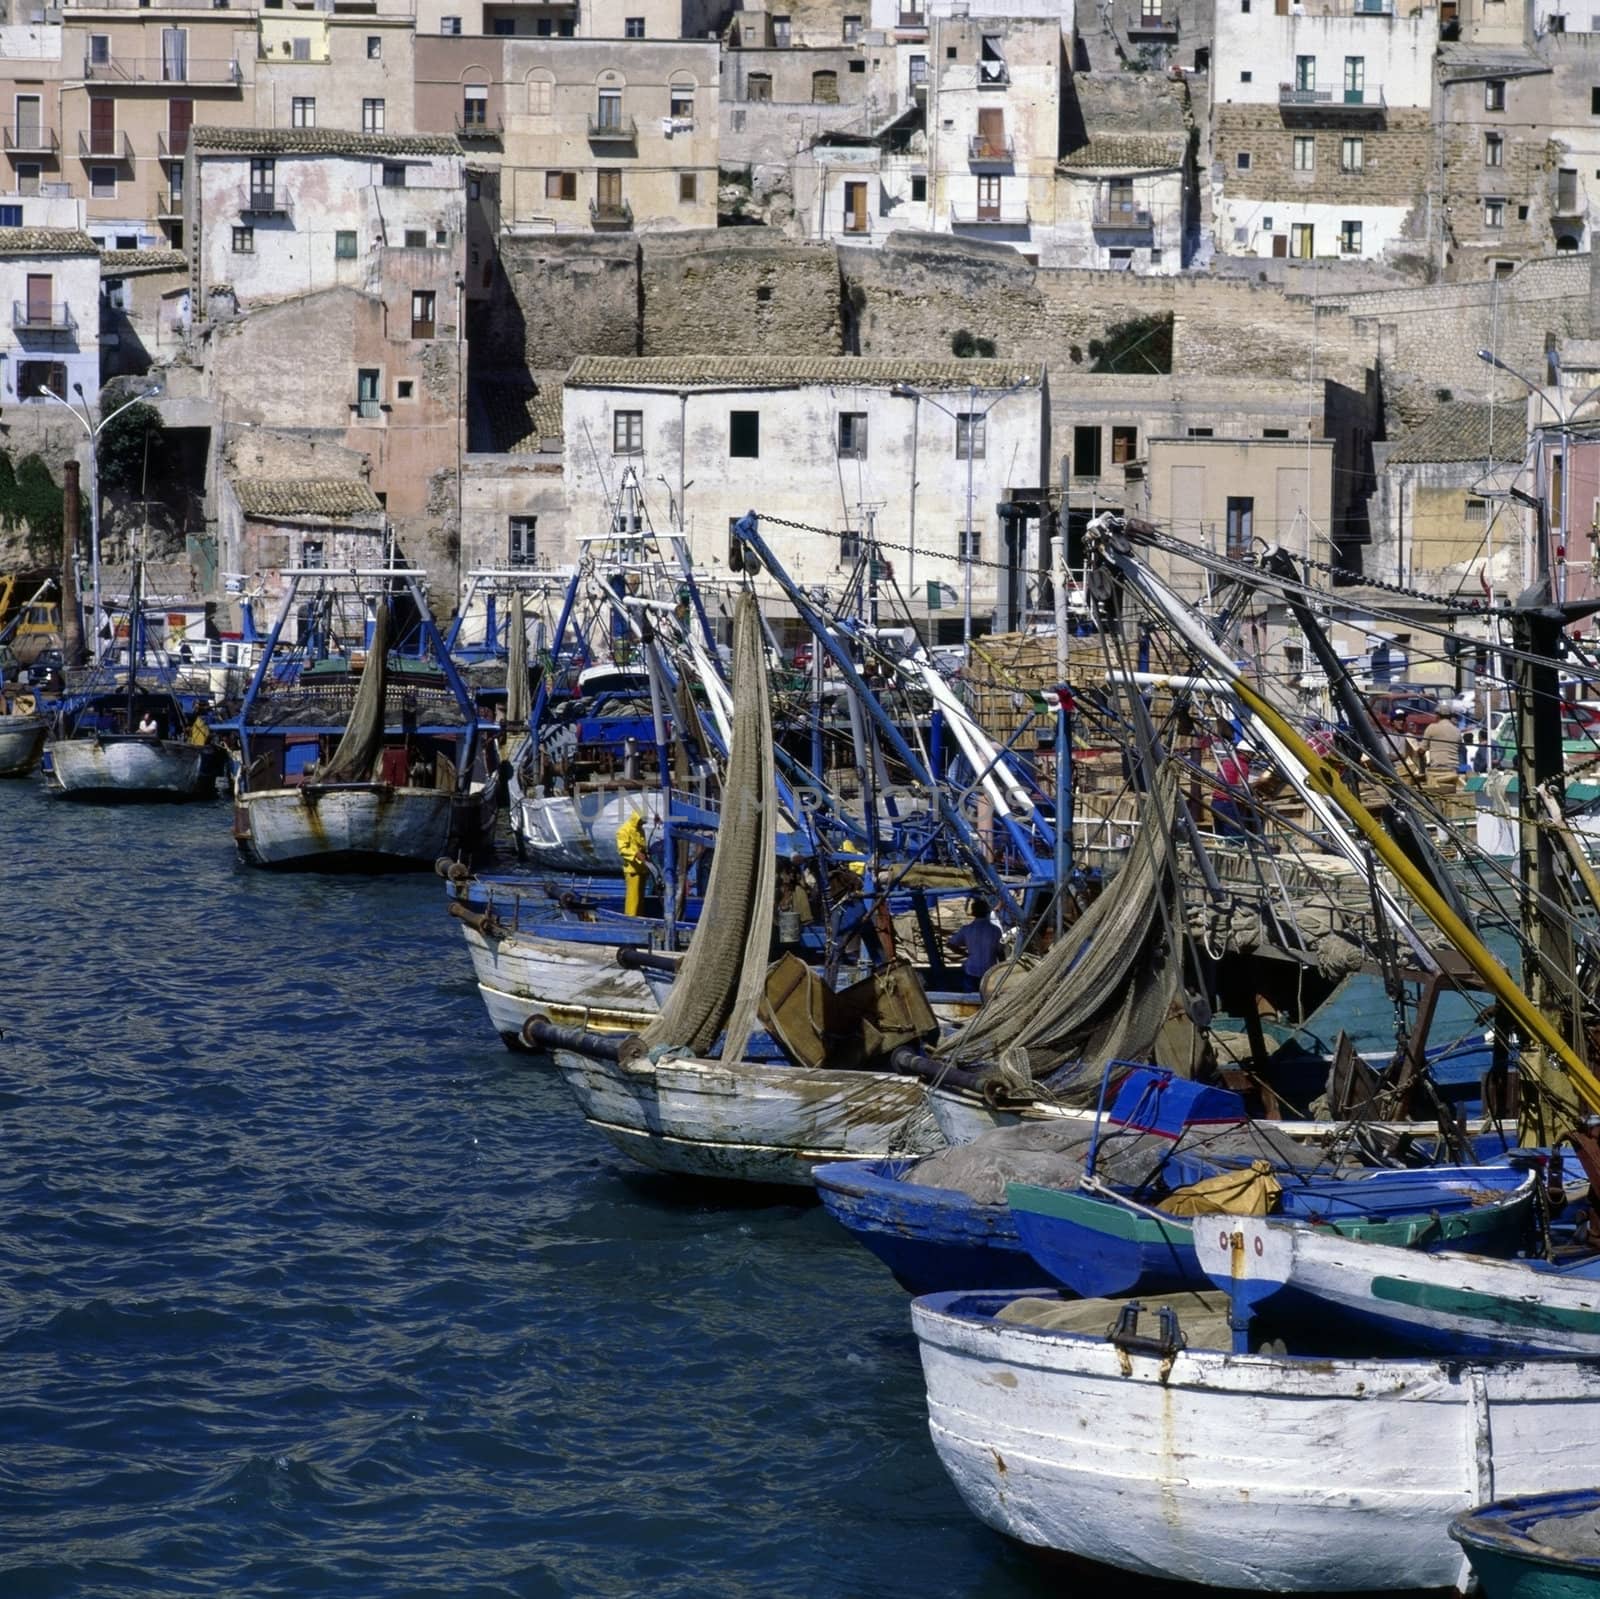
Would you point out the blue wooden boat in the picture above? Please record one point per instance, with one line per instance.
(930, 1238)
(1538, 1546)
(1098, 1242)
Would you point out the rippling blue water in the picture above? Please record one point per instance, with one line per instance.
(308, 1287)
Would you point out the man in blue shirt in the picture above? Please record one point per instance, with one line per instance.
(978, 941)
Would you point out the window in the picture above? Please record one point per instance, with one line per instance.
(608, 192)
(849, 544)
(608, 112)
(449, 24)
(303, 111)
(475, 106)
(1124, 444)
(28, 176)
(1494, 95)
(311, 553)
(825, 88)
(505, 25)
(263, 183)
(539, 97)
(1247, 77)
(1494, 150)
(969, 436)
(394, 175)
(1302, 241)
(1594, 102)
(422, 302)
(244, 241)
(405, 389)
(367, 380)
(371, 115)
(633, 27)
(1086, 452)
(11, 216)
(1567, 191)
(857, 66)
(1349, 238)
(919, 190)
(1200, 433)
(758, 86)
(1355, 80)
(1494, 213)
(744, 434)
(1274, 433)
(100, 49)
(1242, 160)
(992, 61)
(1305, 74)
(688, 187)
(855, 208)
(103, 183)
(561, 185)
(1352, 154)
(969, 544)
(782, 32)
(344, 245)
(1477, 511)
(374, 47)
(1558, 23)
(416, 238)
(681, 105)
(627, 432)
(852, 28)
(35, 375)
(853, 435)
(1305, 155)
(521, 533)
(1241, 524)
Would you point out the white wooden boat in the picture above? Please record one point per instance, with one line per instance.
(21, 744)
(1272, 1473)
(1435, 1303)
(371, 825)
(748, 1120)
(133, 766)
(578, 832)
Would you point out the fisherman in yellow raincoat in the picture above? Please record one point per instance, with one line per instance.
(635, 853)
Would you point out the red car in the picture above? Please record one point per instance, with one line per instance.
(1403, 710)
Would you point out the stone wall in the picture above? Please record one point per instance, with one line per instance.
(1396, 158)
(744, 291)
(563, 295)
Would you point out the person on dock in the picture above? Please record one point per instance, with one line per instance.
(1441, 748)
(978, 943)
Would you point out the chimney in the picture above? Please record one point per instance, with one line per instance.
(72, 651)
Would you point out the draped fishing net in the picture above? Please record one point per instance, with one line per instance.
(517, 665)
(353, 761)
(720, 981)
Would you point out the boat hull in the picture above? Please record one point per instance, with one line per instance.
(748, 1122)
(21, 744)
(520, 978)
(1512, 1555)
(930, 1238)
(578, 833)
(360, 826)
(128, 767)
(1255, 1472)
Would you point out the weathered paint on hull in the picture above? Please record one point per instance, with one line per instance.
(365, 827)
(1502, 1577)
(748, 1122)
(21, 744)
(1540, 1546)
(133, 769)
(1258, 1472)
(573, 985)
(578, 833)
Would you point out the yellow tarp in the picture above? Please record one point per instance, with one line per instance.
(1230, 1193)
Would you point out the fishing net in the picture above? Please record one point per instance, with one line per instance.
(720, 981)
(357, 754)
(517, 665)
(1103, 991)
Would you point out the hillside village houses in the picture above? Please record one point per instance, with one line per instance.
(429, 275)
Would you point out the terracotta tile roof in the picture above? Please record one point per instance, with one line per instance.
(1466, 430)
(519, 417)
(46, 241)
(319, 141)
(262, 496)
(775, 371)
(128, 263)
(1127, 152)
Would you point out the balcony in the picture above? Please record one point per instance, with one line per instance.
(104, 147)
(1114, 215)
(263, 203)
(616, 215)
(173, 146)
(911, 22)
(973, 215)
(169, 206)
(1330, 105)
(158, 72)
(1153, 25)
(982, 152)
(613, 130)
(24, 139)
(480, 130)
(1568, 203)
(37, 318)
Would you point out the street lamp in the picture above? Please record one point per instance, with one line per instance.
(974, 417)
(93, 429)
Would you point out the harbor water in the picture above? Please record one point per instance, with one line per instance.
(309, 1287)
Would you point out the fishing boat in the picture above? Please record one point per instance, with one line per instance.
(1536, 1546)
(1132, 1436)
(22, 731)
(1398, 1298)
(378, 770)
(131, 742)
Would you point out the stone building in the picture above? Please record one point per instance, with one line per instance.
(826, 443)
(1122, 202)
(1321, 125)
(50, 280)
(144, 309)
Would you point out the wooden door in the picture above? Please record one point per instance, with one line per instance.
(39, 289)
(180, 118)
(989, 199)
(992, 132)
(608, 190)
(30, 123)
(102, 125)
(855, 208)
(1280, 246)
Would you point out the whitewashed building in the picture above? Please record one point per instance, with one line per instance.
(921, 450)
(50, 294)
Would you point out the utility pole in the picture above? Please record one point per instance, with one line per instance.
(72, 650)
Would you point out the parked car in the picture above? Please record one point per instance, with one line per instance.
(1404, 710)
(1580, 736)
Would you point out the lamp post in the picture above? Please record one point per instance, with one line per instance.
(974, 418)
(93, 429)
